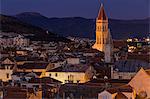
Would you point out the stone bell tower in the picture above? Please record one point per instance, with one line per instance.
(103, 37)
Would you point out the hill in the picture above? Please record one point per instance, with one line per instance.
(82, 27)
(12, 24)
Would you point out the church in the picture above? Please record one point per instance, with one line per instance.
(103, 37)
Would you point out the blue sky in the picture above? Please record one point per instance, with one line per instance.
(118, 9)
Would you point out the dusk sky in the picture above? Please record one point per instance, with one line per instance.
(118, 9)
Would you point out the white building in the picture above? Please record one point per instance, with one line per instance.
(71, 73)
(6, 69)
(20, 41)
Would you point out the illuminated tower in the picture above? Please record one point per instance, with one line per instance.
(103, 38)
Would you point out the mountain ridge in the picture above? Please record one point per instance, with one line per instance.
(10, 24)
(82, 27)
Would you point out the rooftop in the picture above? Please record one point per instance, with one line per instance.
(70, 68)
(15, 93)
(102, 14)
(37, 65)
(130, 65)
(43, 80)
(124, 88)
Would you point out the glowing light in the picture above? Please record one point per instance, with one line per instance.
(131, 49)
(129, 40)
(148, 39)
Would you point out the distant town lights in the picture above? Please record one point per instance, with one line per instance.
(47, 32)
(148, 39)
(131, 49)
(129, 40)
(135, 39)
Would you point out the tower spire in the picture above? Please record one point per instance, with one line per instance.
(102, 15)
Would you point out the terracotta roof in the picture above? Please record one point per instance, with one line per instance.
(144, 57)
(70, 68)
(4, 58)
(125, 81)
(112, 82)
(124, 88)
(81, 89)
(4, 52)
(2, 66)
(43, 80)
(26, 73)
(112, 90)
(15, 93)
(120, 96)
(148, 72)
(89, 51)
(33, 66)
(102, 70)
(130, 65)
(102, 15)
(20, 58)
(119, 43)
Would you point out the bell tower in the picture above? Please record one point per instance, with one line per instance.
(102, 35)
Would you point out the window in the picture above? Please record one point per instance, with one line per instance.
(103, 29)
(7, 75)
(78, 81)
(120, 77)
(71, 77)
(24, 86)
(56, 75)
(66, 81)
(50, 75)
(97, 28)
(105, 97)
(68, 77)
(98, 40)
(103, 40)
(36, 86)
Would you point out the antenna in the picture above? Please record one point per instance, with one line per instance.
(101, 4)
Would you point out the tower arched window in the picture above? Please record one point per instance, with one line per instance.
(97, 40)
(103, 29)
(100, 28)
(103, 39)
